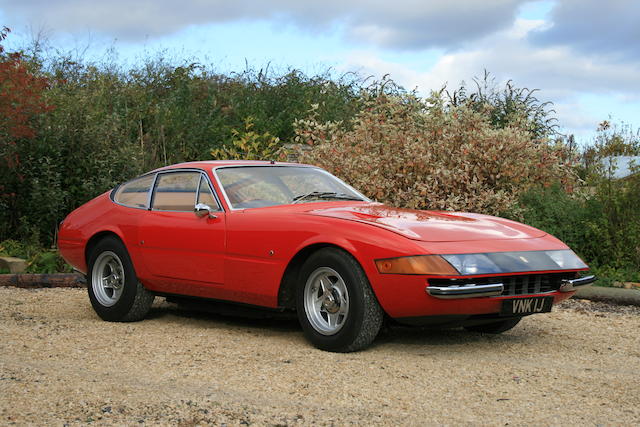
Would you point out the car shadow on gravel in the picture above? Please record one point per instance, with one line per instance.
(237, 316)
(228, 314)
(434, 337)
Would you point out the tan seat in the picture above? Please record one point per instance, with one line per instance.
(174, 201)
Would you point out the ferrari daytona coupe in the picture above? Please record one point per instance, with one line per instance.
(288, 236)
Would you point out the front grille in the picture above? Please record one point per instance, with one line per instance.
(526, 284)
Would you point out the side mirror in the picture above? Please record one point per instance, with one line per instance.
(202, 210)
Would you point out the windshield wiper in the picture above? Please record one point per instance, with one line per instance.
(324, 195)
(342, 196)
(316, 194)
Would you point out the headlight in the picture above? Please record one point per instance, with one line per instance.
(566, 259)
(421, 264)
(472, 264)
(487, 263)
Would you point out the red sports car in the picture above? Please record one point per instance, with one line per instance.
(292, 236)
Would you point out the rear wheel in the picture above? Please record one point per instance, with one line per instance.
(336, 306)
(114, 290)
(495, 327)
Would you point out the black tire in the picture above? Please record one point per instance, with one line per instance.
(495, 327)
(133, 301)
(363, 317)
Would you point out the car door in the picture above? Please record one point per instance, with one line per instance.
(176, 243)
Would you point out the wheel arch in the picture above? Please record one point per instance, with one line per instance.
(287, 289)
(97, 237)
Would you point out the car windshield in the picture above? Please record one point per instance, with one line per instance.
(260, 186)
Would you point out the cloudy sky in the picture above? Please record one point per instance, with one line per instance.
(584, 55)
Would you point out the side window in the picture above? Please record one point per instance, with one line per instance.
(176, 191)
(205, 195)
(135, 192)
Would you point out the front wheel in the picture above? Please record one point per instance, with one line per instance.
(114, 290)
(336, 307)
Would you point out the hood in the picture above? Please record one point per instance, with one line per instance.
(433, 226)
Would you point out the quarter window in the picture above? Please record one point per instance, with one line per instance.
(135, 192)
(205, 195)
(176, 191)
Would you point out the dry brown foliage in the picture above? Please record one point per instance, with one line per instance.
(423, 154)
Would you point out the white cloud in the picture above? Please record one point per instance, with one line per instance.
(574, 118)
(561, 74)
(403, 24)
(609, 28)
(508, 55)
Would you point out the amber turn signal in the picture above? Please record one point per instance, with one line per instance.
(421, 264)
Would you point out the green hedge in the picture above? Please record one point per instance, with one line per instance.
(106, 125)
(602, 224)
(93, 125)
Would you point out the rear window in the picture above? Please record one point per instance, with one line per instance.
(134, 193)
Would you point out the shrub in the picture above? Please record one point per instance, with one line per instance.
(601, 220)
(573, 218)
(507, 106)
(603, 227)
(250, 145)
(424, 154)
(110, 124)
(39, 260)
(619, 218)
(21, 103)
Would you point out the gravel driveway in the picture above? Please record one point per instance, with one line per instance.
(60, 364)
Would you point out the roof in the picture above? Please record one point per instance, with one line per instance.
(619, 167)
(203, 164)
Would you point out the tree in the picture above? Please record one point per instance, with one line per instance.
(21, 100)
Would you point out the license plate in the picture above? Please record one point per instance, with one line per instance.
(523, 306)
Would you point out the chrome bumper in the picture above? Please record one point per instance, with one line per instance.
(466, 291)
(495, 289)
(571, 285)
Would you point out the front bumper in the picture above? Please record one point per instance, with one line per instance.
(571, 285)
(403, 296)
(467, 291)
(473, 290)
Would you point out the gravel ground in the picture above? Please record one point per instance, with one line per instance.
(60, 364)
